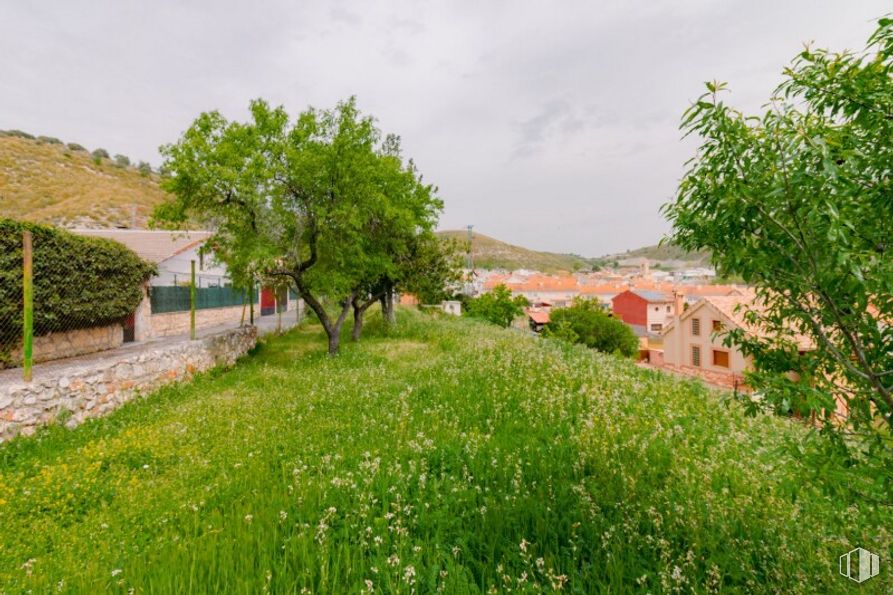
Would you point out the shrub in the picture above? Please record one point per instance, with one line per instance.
(79, 282)
(587, 323)
(122, 160)
(76, 147)
(18, 133)
(49, 140)
(144, 168)
(498, 306)
(100, 154)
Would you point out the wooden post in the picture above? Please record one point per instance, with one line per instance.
(251, 300)
(244, 306)
(192, 302)
(278, 313)
(28, 304)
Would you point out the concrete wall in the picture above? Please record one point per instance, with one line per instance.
(95, 388)
(73, 343)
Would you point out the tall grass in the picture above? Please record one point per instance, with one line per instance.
(447, 456)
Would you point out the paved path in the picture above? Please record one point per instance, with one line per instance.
(264, 324)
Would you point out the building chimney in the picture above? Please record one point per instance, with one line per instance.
(679, 303)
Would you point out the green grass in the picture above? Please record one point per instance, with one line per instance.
(448, 455)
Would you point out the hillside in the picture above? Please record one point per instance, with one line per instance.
(490, 253)
(663, 253)
(444, 455)
(46, 181)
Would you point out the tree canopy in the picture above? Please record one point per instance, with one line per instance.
(324, 200)
(798, 201)
(587, 323)
(497, 306)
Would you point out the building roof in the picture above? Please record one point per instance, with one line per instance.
(653, 297)
(733, 309)
(538, 316)
(151, 245)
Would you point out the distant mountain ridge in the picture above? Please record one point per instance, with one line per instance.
(45, 180)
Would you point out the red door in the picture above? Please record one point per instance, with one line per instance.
(267, 301)
(130, 328)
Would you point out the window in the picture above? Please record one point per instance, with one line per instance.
(657, 308)
(696, 327)
(668, 308)
(656, 327)
(695, 355)
(720, 358)
(717, 326)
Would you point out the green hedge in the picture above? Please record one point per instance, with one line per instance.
(79, 282)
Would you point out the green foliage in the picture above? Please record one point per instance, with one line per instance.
(432, 268)
(100, 154)
(445, 456)
(79, 282)
(144, 168)
(76, 147)
(797, 202)
(321, 200)
(586, 322)
(497, 306)
(18, 133)
(49, 140)
(122, 160)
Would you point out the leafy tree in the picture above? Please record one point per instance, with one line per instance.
(498, 306)
(586, 322)
(122, 160)
(798, 203)
(144, 168)
(76, 147)
(307, 200)
(100, 154)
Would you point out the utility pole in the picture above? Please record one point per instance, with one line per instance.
(192, 303)
(28, 314)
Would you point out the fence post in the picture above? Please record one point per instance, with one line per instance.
(28, 303)
(192, 302)
(251, 300)
(278, 313)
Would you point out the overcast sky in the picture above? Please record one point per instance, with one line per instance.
(553, 125)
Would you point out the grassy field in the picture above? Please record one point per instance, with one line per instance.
(445, 456)
(50, 183)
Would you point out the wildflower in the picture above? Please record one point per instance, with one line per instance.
(523, 545)
(249, 518)
(393, 559)
(116, 572)
(369, 585)
(282, 516)
(409, 574)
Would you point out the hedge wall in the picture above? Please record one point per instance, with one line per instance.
(79, 282)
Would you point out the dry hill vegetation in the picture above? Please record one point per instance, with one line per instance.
(490, 253)
(47, 181)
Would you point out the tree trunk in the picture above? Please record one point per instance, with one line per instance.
(387, 308)
(332, 328)
(357, 322)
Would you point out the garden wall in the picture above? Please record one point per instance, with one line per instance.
(177, 323)
(73, 343)
(98, 387)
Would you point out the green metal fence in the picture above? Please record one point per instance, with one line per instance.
(176, 299)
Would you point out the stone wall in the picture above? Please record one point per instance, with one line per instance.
(73, 343)
(177, 323)
(98, 387)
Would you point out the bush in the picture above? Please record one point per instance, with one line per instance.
(18, 133)
(144, 168)
(100, 154)
(498, 306)
(76, 147)
(49, 140)
(122, 160)
(587, 323)
(79, 282)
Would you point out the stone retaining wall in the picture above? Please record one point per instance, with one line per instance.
(177, 323)
(98, 387)
(73, 343)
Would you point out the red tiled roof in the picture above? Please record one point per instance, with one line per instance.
(538, 317)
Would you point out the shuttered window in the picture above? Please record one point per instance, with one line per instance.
(695, 355)
(696, 327)
(720, 358)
